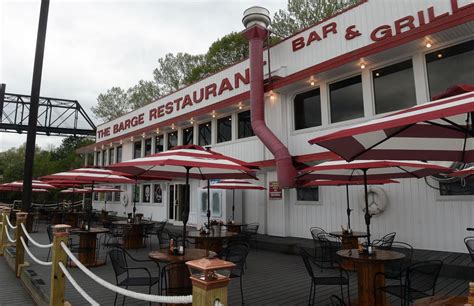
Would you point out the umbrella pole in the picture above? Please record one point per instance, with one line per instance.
(185, 213)
(367, 214)
(348, 210)
(134, 197)
(208, 206)
(233, 204)
(90, 207)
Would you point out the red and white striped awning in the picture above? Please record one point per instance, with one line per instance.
(235, 184)
(441, 130)
(343, 182)
(202, 164)
(376, 170)
(35, 184)
(91, 175)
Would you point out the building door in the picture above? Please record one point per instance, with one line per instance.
(175, 201)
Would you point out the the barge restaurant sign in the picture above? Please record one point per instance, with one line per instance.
(234, 80)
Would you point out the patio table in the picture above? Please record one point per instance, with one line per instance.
(88, 245)
(235, 227)
(439, 300)
(135, 238)
(179, 278)
(213, 241)
(367, 267)
(349, 241)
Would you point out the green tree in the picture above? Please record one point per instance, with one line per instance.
(114, 103)
(143, 93)
(226, 51)
(304, 13)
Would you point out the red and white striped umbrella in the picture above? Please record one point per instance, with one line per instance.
(347, 183)
(187, 162)
(6, 188)
(76, 190)
(233, 185)
(365, 170)
(463, 172)
(35, 184)
(90, 175)
(104, 189)
(440, 130)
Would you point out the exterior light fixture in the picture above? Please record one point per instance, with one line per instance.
(157, 130)
(172, 126)
(121, 141)
(143, 135)
(311, 83)
(428, 44)
(440, 55)
(377, 74)
(362, 66)
(191, 121)
(131, 138)
(213, 114)
(111, 144)
(240, 105)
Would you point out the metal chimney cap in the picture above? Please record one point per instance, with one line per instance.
(256, 15)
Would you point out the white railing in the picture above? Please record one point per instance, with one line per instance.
(30, 239)
(136, 295)
(35, 259)
(9, 223)
(8, 235)
(79, 289)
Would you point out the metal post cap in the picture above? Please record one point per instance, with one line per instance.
(256, 15)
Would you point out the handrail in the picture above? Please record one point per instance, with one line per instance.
(35, 259)
(8, 236)
(39, 245)
(9, 223)
(73, 282)
(136, 295)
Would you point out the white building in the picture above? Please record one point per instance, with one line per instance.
(375, 57)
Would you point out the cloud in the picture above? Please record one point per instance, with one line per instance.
(94, 45)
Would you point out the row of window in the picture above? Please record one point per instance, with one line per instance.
(394, 87)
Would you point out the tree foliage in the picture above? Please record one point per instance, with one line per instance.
(226, 51)
(114, 103)
(304, 13)
(143, 93)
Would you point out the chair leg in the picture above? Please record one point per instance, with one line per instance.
(314, 295)
(348, 295)
(310, 293)
(124, 297)
(342, 293)
(241, 290)
(115, 301)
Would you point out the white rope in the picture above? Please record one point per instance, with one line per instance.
(39, 245)
(136, 295)
(76, 285)
(35, 259)
(8, 235)
(9, 223)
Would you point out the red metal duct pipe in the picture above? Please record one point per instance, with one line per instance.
(286, 172)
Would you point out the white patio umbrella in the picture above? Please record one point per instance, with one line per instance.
(365, 170)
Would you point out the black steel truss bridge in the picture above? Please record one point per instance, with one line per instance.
(58, 117)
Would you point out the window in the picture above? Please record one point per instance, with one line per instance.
(394, 87)
(117, 194)
(245, 125)
(456, 188)
(136, 193)
(224, 129)
(205, 134)
(97, 158)
(146, 193)
(307, 108)
(307, 194)
(118, 155)
(450, 66)
(148, 147)
(346, 101)
(111, 156)
(137, 149)
(96, 196)
(188, 135)
(104, 158)
(108, 196)
(159, 144)
(172, 140)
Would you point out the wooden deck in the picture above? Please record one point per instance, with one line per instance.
(272, 278)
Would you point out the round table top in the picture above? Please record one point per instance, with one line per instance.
(124, 222)
(353, 234)
(189, 254)
(380, 255)
(93, 230)
(211, 235)
(442, 300)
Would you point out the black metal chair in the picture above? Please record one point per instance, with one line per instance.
(315, 231)
(385, 242)
(420, 282)
(325, 254)
(338, 280)
(250, 232)
(156, 230)
(236, 253)
(123, 277)
(336, 301)
(169, 286)
(469, 242)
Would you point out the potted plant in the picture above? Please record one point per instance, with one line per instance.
(216, 225)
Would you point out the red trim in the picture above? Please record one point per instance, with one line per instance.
(372, 165)
(464, 16)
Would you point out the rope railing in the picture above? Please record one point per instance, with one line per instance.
(136, 295)
(8, 236)
(30, 239)
(35, 259)
(73, 282)
(9, 223)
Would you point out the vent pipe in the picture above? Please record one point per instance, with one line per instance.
(256, 20)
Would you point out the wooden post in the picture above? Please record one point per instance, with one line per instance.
(20, 251)
(209, 286)
(61, 234)
(3, 239)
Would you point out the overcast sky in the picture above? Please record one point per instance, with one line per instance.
(94, 45)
